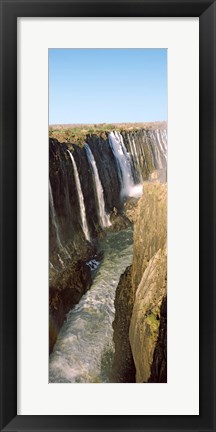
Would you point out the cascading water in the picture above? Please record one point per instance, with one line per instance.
(123, 165)
(132, 158)
(84, 348)
(137, 160)
(103, 217)
(156, 141)
(137, 153)
(81, 199)
(54, 219)
(156, 150)
(148, 142)
(162, 143)
(144, 159)
(62, 249)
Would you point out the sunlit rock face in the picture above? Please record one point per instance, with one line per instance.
(147, 332)
(140, 319)
(150, 229)
(146, 323)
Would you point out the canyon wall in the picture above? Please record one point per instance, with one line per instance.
(88, 186)
(140, 319)
(143, 151)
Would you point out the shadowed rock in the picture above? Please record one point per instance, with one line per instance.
(145, 320)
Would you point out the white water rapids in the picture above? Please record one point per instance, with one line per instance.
(84, 348)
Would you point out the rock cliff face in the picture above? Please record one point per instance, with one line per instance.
(159, 363)
(140, 330)
(145, 321)
(65, 291)
(123, 369)
(145, 151)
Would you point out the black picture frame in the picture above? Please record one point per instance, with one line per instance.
(10, 11)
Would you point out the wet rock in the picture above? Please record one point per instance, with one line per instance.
(123, 369)
(65, 196)
(65, 291)
(119, 222)
(107, 170)
(70, 278)
(130, 208)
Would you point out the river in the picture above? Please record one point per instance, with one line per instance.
(84, 348)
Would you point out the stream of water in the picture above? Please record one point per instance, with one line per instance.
(103, 217)
(84, 348)
(81, 198)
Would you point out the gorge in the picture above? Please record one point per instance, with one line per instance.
(107, 252)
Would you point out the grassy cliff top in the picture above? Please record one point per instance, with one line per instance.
(76, 133)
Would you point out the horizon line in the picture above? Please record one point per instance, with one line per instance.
(106, 123)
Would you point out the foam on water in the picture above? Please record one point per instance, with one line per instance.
(136, 191)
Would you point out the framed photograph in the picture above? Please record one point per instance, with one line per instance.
(107, 215)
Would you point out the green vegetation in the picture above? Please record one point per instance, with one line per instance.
(153, 322)
(77, 133)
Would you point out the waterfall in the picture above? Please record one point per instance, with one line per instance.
(116, 170)
(123, 166)
(162, 143)
(53, 216)
(55, 224)
(157, 150)
(132, 158)
(103, 217)
(135, 155)
(144, 158)
(123, 163)
(148, 143)
(81, 199)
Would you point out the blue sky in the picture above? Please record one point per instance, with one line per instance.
(107, 85)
